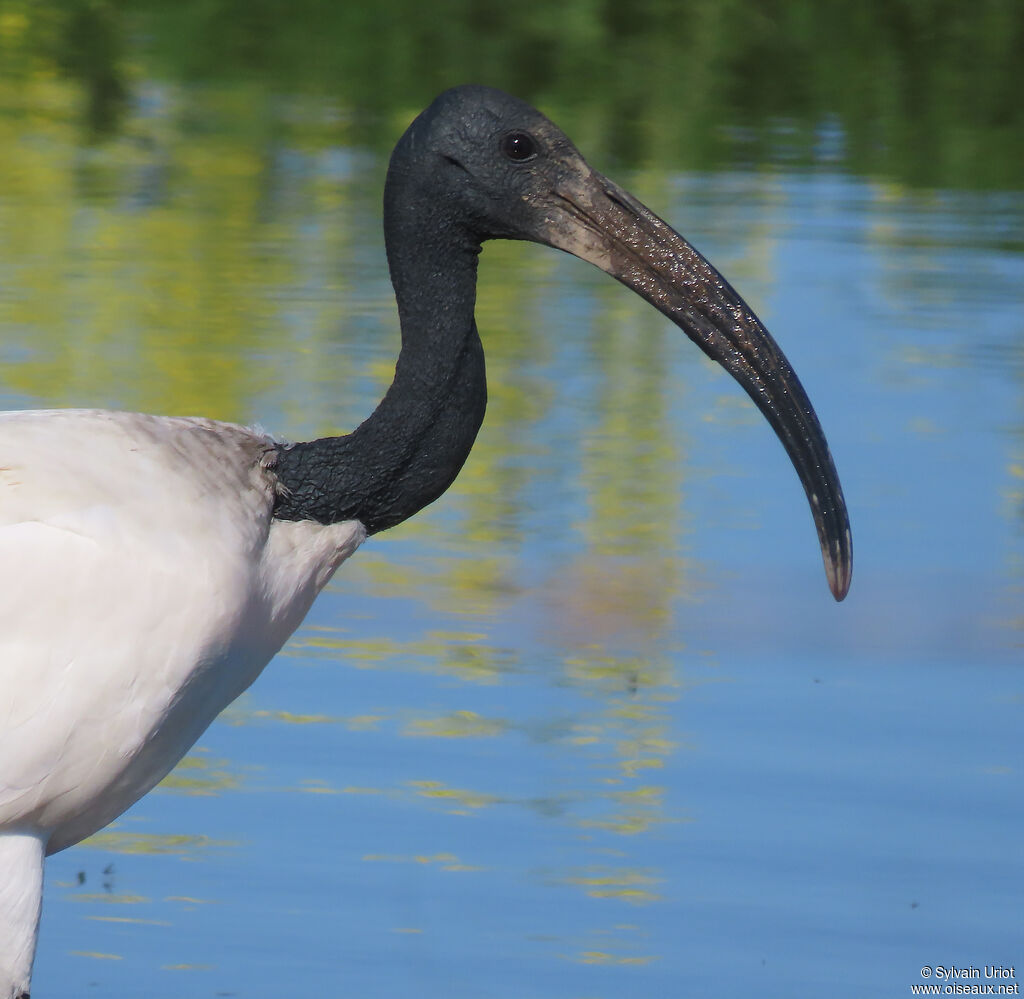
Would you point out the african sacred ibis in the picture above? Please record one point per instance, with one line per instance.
(152, 566)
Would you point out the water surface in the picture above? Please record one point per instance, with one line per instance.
(590, 727)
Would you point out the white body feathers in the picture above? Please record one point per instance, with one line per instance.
(144, 584)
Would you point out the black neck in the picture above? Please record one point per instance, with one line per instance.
(413, 446)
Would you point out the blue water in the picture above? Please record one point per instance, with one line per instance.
(592, 726)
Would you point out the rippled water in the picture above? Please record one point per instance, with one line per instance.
(591, 727)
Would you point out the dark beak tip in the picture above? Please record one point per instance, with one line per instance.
(839, 569)
(839, 585)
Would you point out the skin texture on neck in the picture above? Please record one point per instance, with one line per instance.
(414, 444)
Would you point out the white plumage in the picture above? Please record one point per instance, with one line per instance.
(145, 585)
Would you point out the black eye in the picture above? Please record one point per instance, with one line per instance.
(519, 146)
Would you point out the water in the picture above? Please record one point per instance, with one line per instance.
(591, 727)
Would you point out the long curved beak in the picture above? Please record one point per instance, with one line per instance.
(598, 221)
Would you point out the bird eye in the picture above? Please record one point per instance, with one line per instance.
(519, 146)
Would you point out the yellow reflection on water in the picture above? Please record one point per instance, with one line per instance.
(462, 799)
(179, 844)
(603, 957)
(442, 861)
(129, 919)
(240, 714)
(314, 785)
(140, 273)
(198, 775)
(458, 653)
(457, 725)
(627, 884)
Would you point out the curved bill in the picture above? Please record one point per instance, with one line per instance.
(598, 221)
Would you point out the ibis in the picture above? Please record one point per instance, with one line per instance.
(152, 565)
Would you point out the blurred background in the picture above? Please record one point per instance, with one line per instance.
(590, 727)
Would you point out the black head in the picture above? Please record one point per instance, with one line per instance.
(484, 160)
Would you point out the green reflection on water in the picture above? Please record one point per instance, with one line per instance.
(926, 91)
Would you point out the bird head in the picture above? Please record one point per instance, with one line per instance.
(486, 165)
